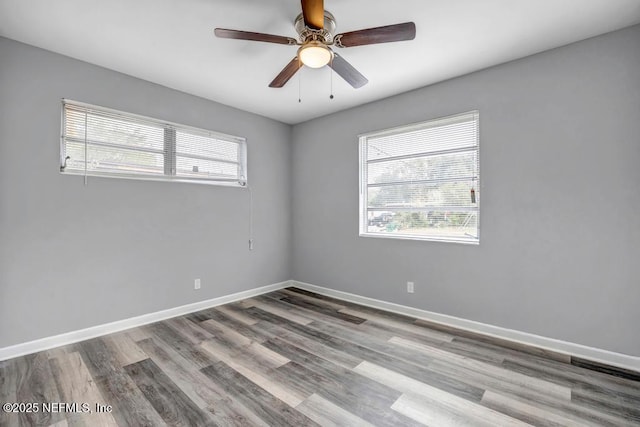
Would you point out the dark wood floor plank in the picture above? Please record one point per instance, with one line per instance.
(8, 389)
(374, 342)
(328, 312)
(352, 392)
(34, 385)
(355, 350)
(175, 407)
(310, 345)
(246, 328)
(124, 348)
(130, 407)
(563, 373)
(199, 388)
(581, 385)
(279, 308)
(480, 338)
(609, 370)
(178, 342)
(270, 409)
(235, 313)
(190, 331)
(325, 304)
(75, 384)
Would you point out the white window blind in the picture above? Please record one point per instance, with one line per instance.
(421, 181)
(98, 141)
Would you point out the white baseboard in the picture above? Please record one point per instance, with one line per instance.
(571, 349)
(120, 325)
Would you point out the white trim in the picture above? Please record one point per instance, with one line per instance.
(577, 350)
(120, 325)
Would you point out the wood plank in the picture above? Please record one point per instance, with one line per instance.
(137, 334)
(234, 345)
(352, 392)
(502, 374)
(33, 384)
(190, 331)
(527, 412)
(393, 326)
(324, 303)
(8, 389)
(173, 405)
(280, 309)
(327, 414)
(124, 348)
(236, 314)
(249, 331)
(606, 369)
(130, 407)
(455, 386)
(521, 392)
(185, 348)
(444, 413)
(299, 302)
(572, 376)
(199, 388)
(312, 346)
(478, 337)
(450, 407)
(269, 408)
(75, 384)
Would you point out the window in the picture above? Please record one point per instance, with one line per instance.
(421, 181)
(98, 141)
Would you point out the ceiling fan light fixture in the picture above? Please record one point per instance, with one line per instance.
(315, 54)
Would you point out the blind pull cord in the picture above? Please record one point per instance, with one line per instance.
(250, 219)
(85, 147)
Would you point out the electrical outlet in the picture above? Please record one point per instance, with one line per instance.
(196, 284)
(410, 287)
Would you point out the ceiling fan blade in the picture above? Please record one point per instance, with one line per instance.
(287, 72)
(347, 72)
(258, 37)
(313, 13)
(386, 34)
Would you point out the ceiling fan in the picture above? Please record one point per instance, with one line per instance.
(315, 27)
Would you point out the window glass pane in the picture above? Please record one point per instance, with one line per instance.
(438, 194)
(114, 130)
(205, 146)
(416, 224)
(447, 137)
(117, 160)
(446, 166)
(421, 181)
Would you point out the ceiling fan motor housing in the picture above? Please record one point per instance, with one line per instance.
(324, 35)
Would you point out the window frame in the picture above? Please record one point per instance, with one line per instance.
(363, 218)
(170, 130)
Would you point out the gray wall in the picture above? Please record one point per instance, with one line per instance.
(560, 181)
(73, 256)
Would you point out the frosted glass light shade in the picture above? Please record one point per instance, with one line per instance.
(315, 55)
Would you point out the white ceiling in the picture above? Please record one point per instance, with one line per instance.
(171, 42)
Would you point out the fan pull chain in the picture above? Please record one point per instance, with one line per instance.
(331, 74)
(299, 90)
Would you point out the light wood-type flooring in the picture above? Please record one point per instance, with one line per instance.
(294, 358)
